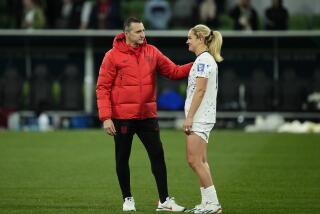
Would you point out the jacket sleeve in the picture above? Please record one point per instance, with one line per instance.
(170, 70)
(107, 75)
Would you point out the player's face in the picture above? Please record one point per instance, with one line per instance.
(135, 35)
(193, 42)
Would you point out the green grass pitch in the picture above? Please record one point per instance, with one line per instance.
(74, 172)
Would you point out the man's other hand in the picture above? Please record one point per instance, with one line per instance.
(109, 127)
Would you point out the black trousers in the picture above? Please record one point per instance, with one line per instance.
(148, 132)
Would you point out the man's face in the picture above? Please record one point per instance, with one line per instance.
(135, 34)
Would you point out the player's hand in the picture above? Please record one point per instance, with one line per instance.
(109, 127)
(187, 125)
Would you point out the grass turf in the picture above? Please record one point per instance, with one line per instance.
(74, 172)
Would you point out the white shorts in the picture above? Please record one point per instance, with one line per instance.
(202, 130)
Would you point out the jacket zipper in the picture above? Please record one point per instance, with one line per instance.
(140, 85)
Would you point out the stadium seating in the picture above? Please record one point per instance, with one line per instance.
(11, 89)
(291, 91)
(71, 97)
(41, 89)
(259, 92)
(228, 96)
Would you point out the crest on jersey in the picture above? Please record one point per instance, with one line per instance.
(200, 68)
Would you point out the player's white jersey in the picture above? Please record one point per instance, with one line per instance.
(204, 66)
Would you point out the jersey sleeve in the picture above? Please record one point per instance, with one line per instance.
(204, 68)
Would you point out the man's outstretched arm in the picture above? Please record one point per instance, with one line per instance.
(169, 69)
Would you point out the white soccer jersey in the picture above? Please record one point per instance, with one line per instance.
(204, 66)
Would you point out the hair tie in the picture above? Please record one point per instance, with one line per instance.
(209, 38)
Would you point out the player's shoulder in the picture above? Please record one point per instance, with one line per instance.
(206, 58)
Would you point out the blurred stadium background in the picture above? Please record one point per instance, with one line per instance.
(50, 53)
(51, 63)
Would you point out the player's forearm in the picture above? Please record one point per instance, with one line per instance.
(196, 101)
(172, 71)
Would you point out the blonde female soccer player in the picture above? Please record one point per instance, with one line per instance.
(200, 110)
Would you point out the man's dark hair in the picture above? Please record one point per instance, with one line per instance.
(127, 23)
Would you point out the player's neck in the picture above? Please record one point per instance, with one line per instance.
(201, 49)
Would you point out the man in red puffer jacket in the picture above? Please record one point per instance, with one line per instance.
(126, 98)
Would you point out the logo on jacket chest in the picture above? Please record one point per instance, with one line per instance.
(148, 59)
(122, 63)
(124, 60)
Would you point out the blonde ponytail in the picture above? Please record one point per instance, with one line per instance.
(215, 46)
(213, 40)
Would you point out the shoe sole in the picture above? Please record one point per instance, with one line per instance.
(212, 212)
(168, 210)
(129, 210)
(194, 210)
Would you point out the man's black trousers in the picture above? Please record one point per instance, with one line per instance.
(148, 132)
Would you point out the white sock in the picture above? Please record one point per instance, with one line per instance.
(211, 195)
(203, 197)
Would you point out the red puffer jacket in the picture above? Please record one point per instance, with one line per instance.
(126, 86)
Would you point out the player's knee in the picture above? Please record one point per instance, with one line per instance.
(193, 162)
